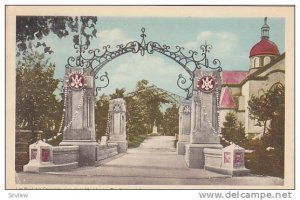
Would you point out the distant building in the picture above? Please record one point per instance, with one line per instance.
(267, 68)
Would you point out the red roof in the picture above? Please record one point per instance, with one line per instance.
(233, 77)
(226, 99)
(264, 46)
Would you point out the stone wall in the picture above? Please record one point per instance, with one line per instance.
(65, 154)
(104, 152)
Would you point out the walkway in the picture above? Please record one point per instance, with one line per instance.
(155, 162)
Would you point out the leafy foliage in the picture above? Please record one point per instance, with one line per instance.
(143, 108)
(36, 105)
(170, 120)
(268, 158)
(267, 106)
(101, 116)
(233, 130)
(30, 28)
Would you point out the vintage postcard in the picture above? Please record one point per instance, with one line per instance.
(150, 97)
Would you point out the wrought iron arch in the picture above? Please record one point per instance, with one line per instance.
(97, 59)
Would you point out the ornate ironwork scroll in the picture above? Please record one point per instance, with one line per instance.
(97, 59)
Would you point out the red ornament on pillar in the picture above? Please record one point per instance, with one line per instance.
(206, 83)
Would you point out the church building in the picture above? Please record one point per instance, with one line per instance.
(267, 68)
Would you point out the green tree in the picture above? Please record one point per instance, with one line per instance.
(143, 108)
(30, 28)
(268, 157)
(150, 99)
(36, 105)
(101, 116)
(233, 130)
(171, 120)
(275, 135)
(119, 93)
(267, 107)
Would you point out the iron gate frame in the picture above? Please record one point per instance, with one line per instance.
(98, 59)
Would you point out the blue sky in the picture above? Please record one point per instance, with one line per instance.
(232, 39)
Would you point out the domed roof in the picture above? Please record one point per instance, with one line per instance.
(263, 47)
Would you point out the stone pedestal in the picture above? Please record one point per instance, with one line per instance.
(47, 158)
(233, 161)
(154, 129)
(79, 127)
(40, 156)
(194, 156)
(117, 126)
(87, 151)
(23, 139)
(204, 117)
(229, 160)
(184, 126)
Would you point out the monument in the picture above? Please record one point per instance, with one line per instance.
(154, 129)
(204, 117)
(79, 127)
(117, 126)
(184, 126)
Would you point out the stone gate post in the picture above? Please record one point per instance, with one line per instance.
(184, 126)
(204, 117)
(79, 127)
(117, 126)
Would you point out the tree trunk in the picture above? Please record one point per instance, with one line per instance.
(265, 126)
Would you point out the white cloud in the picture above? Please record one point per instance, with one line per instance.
(112, 37)
(222, 42)
(126, 71)
(156, 69)
(148, 63)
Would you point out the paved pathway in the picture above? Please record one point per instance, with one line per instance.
(155, 162)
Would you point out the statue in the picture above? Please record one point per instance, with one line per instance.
(154, 130)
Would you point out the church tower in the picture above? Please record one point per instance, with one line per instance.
(263, 52)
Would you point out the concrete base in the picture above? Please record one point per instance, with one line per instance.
(181, 147)
(122, 145)
(87, 151)
(232, 172)
(65, 154)
(107, 151)
(194, 155)
(31, 167)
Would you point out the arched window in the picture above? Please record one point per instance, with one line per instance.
(255, 62)
(267, 60)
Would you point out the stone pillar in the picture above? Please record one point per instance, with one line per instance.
(117, 126)
(204, 117)
(184, 126)
(79, 126)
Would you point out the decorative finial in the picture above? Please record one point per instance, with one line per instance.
(143, 35)
(143, 43)
(266, 20)
(265, 30)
